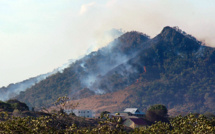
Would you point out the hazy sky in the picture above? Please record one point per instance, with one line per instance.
(37, 36)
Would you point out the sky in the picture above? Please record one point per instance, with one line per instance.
(37, 36)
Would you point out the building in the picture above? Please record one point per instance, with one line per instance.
(135, 122)
(81, 113)
(129, 113)
(134, 112)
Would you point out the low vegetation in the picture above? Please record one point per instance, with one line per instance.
(60, 122)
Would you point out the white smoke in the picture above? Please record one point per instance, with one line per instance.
(103, 66)
(105, 59)
(61, 30)
(14, 89)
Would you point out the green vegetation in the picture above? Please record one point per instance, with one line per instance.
(59, 123)
(188, 125)
(177, 80)
(158, 109)
(156, 113)
(102, 114)
(13, 104)
(62, 123)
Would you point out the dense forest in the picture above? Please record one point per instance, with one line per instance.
(172, 68)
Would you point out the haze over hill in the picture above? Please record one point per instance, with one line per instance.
(172, 68)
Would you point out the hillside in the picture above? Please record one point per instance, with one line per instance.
(84, 74)
(14, 89)
(177, 70)
(172, 68)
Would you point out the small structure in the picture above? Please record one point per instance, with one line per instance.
(129, 113)
(135, 122)
(134, 112)
(81, 113)
(124, 115)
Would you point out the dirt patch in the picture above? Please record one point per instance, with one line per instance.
(111, 102)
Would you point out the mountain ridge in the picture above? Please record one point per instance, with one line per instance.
(172, 68)
(91, 67)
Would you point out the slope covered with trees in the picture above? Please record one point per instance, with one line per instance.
(173, 69)
(180, 73)
(84, 75)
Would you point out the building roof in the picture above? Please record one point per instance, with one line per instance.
(133, 111)
(138, 121)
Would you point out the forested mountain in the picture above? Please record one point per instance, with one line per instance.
(84, 74)
(172, 68)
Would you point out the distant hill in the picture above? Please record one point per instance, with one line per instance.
(14, 89)
(172, 68)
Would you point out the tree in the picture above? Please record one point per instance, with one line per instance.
(63, 104)
(159, 109)
(102, 114)
(157, 112)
